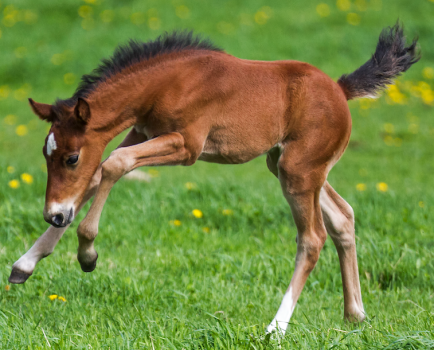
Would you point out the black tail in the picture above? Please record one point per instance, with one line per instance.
(391, 58)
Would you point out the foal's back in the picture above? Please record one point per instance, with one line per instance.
(241, 109)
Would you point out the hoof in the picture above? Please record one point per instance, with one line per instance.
(358, 317)
(88, 266)
(18, 276)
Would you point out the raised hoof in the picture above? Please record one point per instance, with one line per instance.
(18, 276)
(88, 267)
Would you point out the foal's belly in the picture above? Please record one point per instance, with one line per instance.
(231, 150)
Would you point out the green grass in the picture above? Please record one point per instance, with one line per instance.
(178, 287)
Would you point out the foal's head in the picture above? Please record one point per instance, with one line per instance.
(72, 156)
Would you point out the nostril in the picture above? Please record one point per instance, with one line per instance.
(58, 219)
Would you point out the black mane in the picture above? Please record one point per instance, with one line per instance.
(134, 52)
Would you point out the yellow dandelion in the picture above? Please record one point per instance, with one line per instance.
(14, 184)
(421, 204)
(261, 17)
(361, 187)
(154, 23)
(69, 78)
(323, 10)
(205, 229)
(57, 59)
(190, 185)
(20, 52)
(62, 299)
(413, 128)
(353, 19)
(388, 140)
(10, 119)
(382, 187)
(85, 11)
(395, 95)
(107, 16)
(153, 172)
(343, 5)
(175, 222)
(361, 5)
(53, 297)
(7, 288)
(428, 73)
(4, 91)
(197, 213)
(389, 128)
(365, 103)
(10, 169)
(21, 130)
(27, 178)
(30, 17)
(182, 11)
(227, 212)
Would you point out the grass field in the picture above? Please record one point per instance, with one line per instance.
(168, 280)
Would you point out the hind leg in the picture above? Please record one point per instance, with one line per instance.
(339, 221)
(301, 180)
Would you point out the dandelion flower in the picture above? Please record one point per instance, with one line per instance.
(153, 172)
(21, 130)
(154, 23)
(10, 169)
(197, 213)
(190, 185)
(27, 178)
(428, 73)
(382, 187)
(7, 288)
(205, 229)
(323, 10)
(182, 12)
(343, 5)
(175, 222)
(14, 184)
(62, 299)
(53, 297)
(227, 212)
(361, 187)
(353, 19)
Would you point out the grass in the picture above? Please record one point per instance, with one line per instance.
(215, 282)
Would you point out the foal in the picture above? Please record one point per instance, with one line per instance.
(187, 100)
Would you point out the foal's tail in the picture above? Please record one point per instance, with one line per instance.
(391, 58)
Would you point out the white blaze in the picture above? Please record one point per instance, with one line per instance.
(51, 144)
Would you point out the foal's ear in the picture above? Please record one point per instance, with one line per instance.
(82, 111)
(42, 110)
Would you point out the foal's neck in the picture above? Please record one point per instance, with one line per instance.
(125, 99)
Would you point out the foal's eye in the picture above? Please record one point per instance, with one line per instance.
(72, 160)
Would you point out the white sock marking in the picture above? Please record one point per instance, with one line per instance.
(51, 144)
(281, 320)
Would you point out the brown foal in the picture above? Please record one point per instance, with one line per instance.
(187, 100)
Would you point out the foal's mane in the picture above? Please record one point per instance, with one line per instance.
(135, 52)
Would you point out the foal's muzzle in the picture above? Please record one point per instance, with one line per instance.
(59, 216)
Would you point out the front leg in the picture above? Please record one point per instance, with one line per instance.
(23, 268)
(167, 149)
